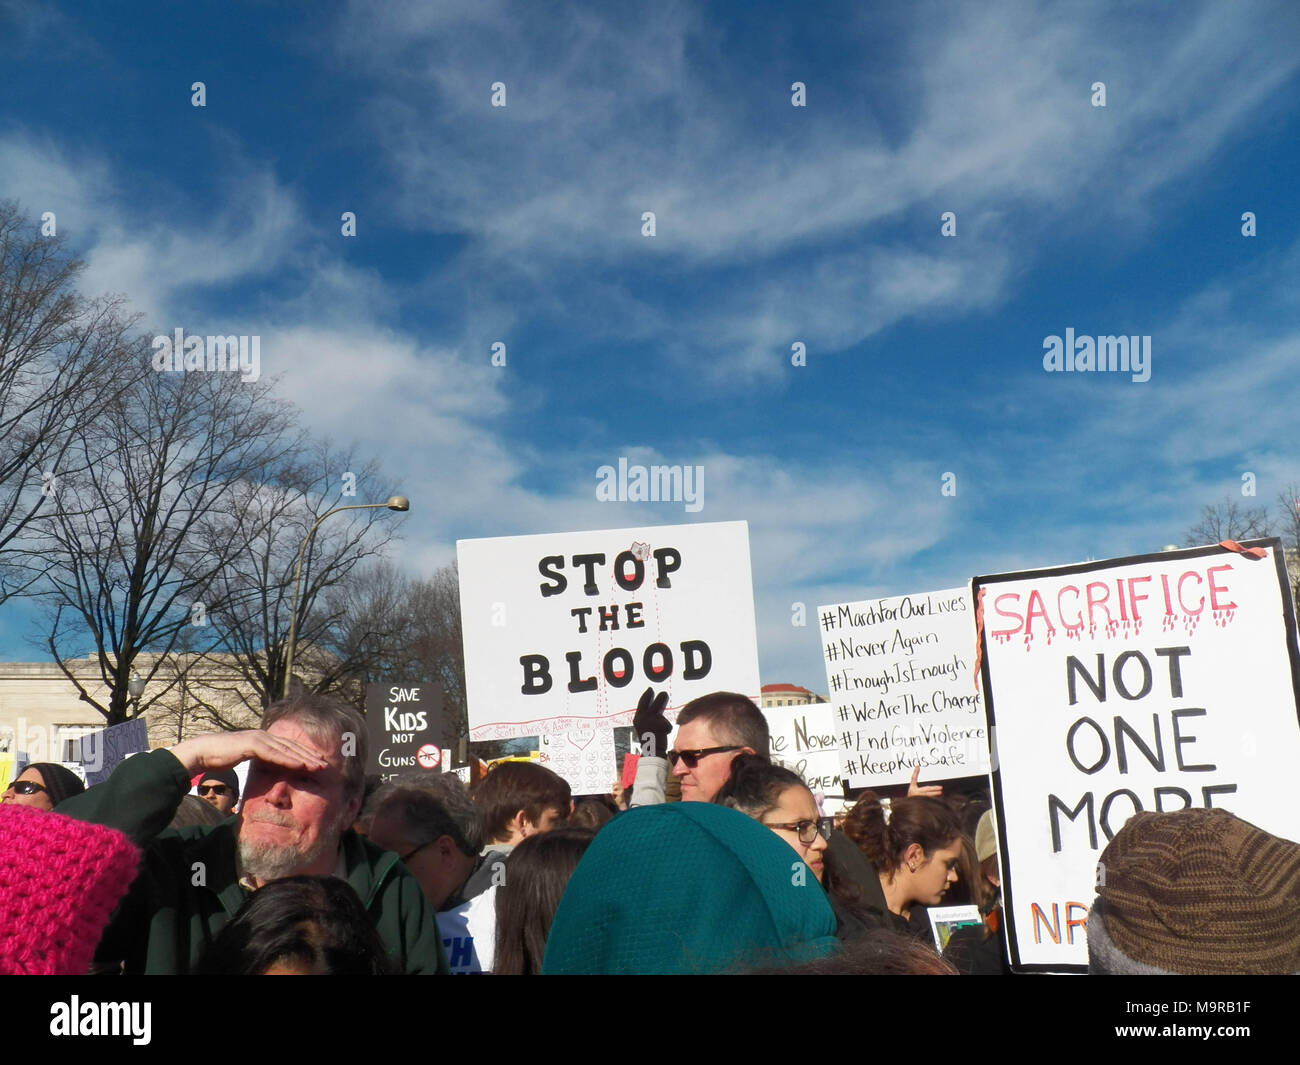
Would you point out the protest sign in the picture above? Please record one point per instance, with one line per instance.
(1156, 683)
(629, 770)
(8, 756)
(805, 739)
(902, 687)
(583, 756)
(945, 920)
(101, 752)
(405, 727)
(565, 631)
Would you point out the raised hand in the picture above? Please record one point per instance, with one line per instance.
(650, 726)
(223, 750)
(914, 789)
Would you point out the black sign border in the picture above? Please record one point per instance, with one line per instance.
(995, 775)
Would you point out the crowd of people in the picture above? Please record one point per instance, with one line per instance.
(716, 860)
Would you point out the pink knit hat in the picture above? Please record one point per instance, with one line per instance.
(59, 882)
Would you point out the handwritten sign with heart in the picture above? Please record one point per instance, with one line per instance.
(583, 756)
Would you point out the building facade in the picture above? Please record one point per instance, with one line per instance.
(42, 714)
(788, 695)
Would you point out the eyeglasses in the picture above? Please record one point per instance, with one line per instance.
(219, 790)
(27, 787)
(692, 758)
(404, 858)
(807, 831)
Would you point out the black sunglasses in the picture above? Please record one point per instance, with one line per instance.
(28, 787)
(220, 790)
(807, 831)
(692, 758)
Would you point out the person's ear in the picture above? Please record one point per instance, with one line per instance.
(445, 847)
(519, 825)
(914, 857)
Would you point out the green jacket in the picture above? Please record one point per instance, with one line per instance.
(187, 888)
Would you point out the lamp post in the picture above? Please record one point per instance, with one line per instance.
(394, 503)
(136, 687)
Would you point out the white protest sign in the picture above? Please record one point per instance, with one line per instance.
(1150, 683)
(582, 756)
(804, 739)
(565, 631)
(945, 920)
(902, 687)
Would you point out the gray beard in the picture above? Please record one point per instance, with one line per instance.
(266, 861)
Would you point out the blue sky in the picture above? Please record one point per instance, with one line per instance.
(774, 224)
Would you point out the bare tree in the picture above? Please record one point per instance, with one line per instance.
(437, 651)
(1228, 520)
(129, 531)
(1288, 528)
(1288, 517)
(58, 359)
(369, 636)
(386, 628)
(244, 628)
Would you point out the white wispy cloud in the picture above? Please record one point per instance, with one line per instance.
(609, 116)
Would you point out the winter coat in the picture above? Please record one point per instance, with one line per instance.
(187, 889)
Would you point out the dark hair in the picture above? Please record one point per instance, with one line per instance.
(591, 813)
(969, 809)
(881, 953)
(331, 723)
(929, 822)
(756, 785)
(971, 887)
(755, 788)
(426, 810)
(194, 811)
(514, 786)
(317, 922)
(732, 717)
(536, 874)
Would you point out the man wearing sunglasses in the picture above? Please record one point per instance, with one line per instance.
(220, 789)
(711, 731)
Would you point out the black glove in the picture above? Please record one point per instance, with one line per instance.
(649, 726)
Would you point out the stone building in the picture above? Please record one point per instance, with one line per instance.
(43, 715)
(788, 695)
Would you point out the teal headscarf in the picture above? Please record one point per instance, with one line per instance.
(688, 887)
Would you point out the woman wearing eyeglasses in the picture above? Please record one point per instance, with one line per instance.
(42, 786)
(778, 798)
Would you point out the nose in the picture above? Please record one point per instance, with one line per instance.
(680, 770)
(278, 794)
(952, 876)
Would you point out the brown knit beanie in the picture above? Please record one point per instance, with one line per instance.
(1202, 892)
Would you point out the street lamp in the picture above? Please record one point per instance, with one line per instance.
(136, 687)
(394, 503)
